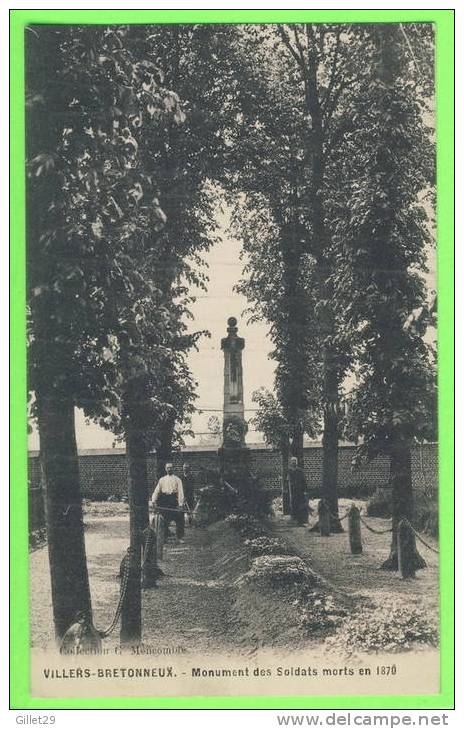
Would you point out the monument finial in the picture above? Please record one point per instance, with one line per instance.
(232, 325)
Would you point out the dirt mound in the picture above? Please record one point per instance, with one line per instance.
(263, 591)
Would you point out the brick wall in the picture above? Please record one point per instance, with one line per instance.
(104, 472)
(366, 478)
(425, 469)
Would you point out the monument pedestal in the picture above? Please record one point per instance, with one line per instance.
(234, 466)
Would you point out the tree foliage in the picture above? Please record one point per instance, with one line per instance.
(383, 232)
(270, 419)
(130, 214)
(293, 108)
(277, 283)
(85, 244)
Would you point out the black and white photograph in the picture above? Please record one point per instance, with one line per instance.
(232, 359)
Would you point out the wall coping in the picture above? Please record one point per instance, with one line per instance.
(210, 448)
(203, 448)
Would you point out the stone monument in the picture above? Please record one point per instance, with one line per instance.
(234, 426)
(233, 455)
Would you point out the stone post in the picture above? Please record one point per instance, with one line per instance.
(324, 518)
(406, 550)
(354, 530)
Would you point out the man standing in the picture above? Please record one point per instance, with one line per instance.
(297, 492)
(189, 489)
(168, 496)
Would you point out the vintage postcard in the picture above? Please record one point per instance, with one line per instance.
(235, 486)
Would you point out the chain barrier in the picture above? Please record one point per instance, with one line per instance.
(408, 523)
(122, 594)
(338, 518)
(375, 531)
(418, 536)
(125, 576)
(149, 541)
(123, 589)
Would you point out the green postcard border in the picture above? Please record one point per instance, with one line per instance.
(19, 600)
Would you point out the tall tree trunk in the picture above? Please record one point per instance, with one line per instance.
(136, 454)
(321, 245)
(164, 450)
(296, 446)
(402, 500)
(137, 461)
(65, 527)
(329, 489)
(330, 398)
(293, 383)
(284, 455)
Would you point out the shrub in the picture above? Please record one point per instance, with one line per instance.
(253, 498)
(426, 515)
(379, 504)
(213, 504)
(238, 492)
(390, 628)
(279, 570)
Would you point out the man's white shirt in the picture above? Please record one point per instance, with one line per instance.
(169, 484)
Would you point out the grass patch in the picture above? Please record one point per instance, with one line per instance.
(320, 614)
(390, 628)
